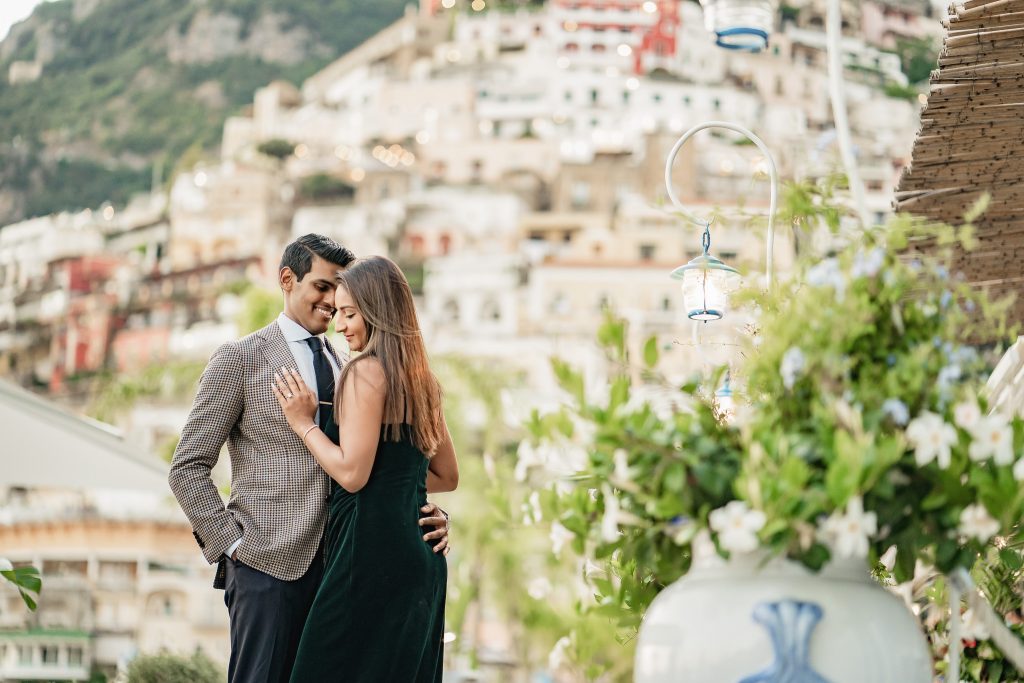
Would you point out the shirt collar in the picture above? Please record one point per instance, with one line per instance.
(292, 331)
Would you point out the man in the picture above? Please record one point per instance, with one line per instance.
(267, 541)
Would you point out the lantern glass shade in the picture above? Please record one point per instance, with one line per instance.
(740, 24)
(707, 283)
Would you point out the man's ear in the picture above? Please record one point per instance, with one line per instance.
(286, 278)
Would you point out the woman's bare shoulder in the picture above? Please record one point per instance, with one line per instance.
(369, 371)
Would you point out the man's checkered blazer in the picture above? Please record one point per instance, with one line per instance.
(278, 500)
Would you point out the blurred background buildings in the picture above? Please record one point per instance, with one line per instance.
(509, 156)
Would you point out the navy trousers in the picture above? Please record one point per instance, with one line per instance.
(267, 617)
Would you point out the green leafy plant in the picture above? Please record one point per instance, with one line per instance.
(25, 579)
(860, 429)
(171, 668)
(277, 148)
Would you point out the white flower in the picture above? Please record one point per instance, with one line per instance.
(610, 521)
(705, 555)
(737, 526)
(973, 628)
(828, 274)
(848, 533)
(566, 459)
(1018, 470)
(539, 588)
(867, 264)
(967, 414)
(527, 456)
(532, 513)
(559, 537)
(992, 437)
(932, 439)
(888, 558)
(975, 522)
(622, 472)
(896, 410)
(5, 565)
(559, 656)
(793, 363)
(592, 570)
(560, 459)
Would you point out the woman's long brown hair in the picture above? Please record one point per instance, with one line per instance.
(382, 294)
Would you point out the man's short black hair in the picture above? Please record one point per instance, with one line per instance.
(299, 254)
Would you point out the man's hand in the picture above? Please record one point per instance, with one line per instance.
(435, 517)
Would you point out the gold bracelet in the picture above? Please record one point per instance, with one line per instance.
(308, 430)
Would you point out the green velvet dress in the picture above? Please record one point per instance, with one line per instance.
(378, 616)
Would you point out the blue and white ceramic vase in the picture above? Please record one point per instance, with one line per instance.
(748, 621)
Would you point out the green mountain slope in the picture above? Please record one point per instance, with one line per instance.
(127, 84)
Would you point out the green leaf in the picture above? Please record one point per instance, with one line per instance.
(1011, 558)
(612, 336)
(651, 352)
(906, 559)
(843, 476)
(619, 392)
(27, 580)
(568, 379)
(934, 500)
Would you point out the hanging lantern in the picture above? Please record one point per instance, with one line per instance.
(740, 24)
(707, 283)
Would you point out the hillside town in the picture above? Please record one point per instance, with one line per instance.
(512, 162)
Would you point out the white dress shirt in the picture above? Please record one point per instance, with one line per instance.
(296, 336)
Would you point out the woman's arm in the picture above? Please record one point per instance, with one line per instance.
(443, 473)
(349, 463)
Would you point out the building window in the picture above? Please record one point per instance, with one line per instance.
(451, 311)
(656, 97)
(666, 303)
(716, 103)
(50, 655)
(598, 47)
(603, 302)
(625, 97)
(580, 194)
(491, 312)
(647, 252)
(75, 656)
(593, 96)
(559, 304)
(568, 96)
(25, 654)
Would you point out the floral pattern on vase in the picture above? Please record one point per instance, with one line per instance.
(790, 624)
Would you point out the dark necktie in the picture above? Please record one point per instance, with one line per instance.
(324, 379)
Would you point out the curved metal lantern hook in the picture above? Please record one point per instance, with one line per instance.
(772, 173)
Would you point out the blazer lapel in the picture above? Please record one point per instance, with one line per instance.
(334, 354)
(275, 348)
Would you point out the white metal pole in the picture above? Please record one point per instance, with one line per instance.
(837, 93)
(772, 174)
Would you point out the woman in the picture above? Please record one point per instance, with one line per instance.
(379, 613)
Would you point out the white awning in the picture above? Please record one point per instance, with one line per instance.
(44, 446)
